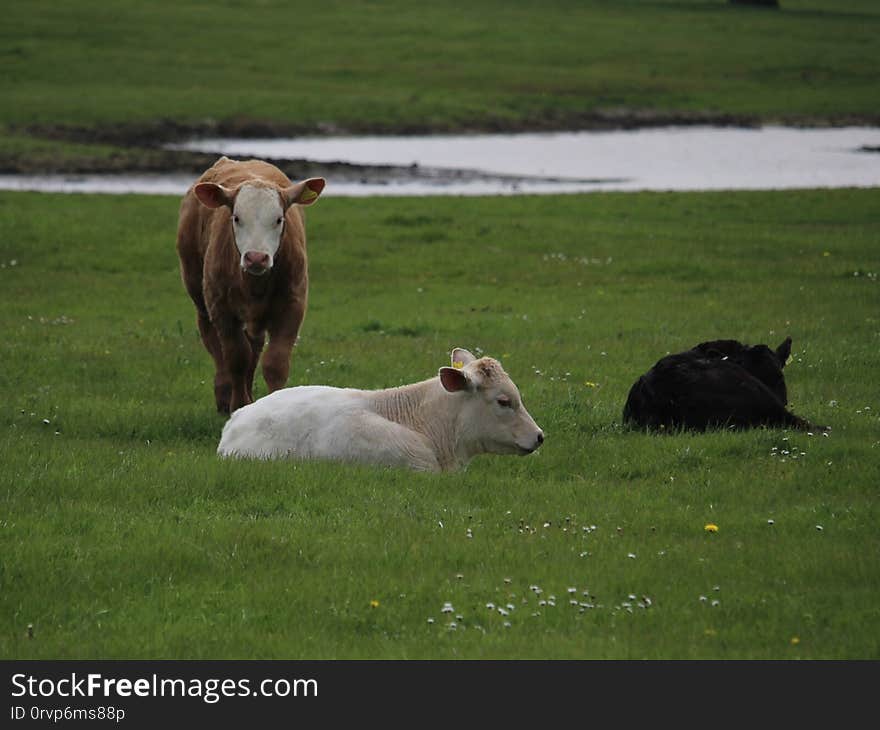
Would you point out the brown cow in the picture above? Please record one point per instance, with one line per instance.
(242, 246)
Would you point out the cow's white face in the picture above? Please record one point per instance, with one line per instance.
(257, 221)
(258, 215)
(493, 417)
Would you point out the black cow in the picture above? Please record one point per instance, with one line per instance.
(718, 383)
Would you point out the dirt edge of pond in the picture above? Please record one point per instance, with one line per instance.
(138, 147)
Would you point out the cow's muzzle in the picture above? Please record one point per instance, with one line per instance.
(539, 439)
(256, 263)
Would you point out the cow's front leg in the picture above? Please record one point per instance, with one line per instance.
(276, 361)
(237, 356)
(282, 337)
(222, 383)
(256, 343)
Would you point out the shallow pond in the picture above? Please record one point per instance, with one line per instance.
(672, 158)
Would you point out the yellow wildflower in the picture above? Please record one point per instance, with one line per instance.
(374, 603)
(711, 528)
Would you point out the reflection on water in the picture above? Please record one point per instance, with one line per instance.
(682, 158)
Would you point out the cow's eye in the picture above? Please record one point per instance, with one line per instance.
(235, 219)
(278, 222)
(505, 403)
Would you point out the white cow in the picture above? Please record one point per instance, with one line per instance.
(436, 425)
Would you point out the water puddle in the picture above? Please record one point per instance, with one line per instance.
(672, 158)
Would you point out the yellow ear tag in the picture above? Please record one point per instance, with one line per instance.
(458, 364)
(307, 195)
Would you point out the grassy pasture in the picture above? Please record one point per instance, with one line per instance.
(123, 536)
(387, 64)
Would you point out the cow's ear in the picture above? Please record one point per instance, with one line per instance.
(461, 357)
(303, 193)
(783, 352)
(213, 195)
(455, 380)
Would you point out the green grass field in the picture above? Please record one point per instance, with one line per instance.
(123, 536)
(391, 65)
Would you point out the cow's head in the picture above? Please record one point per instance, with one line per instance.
(758, 360)
(258, 212)
(492, 418)
(766, 365)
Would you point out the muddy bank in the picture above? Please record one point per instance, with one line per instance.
(138, 147)
(163, 131)
(137, 160)
(157, 132)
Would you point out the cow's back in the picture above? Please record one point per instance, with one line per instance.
(232, 173)
(302, 421)
(326, 423)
